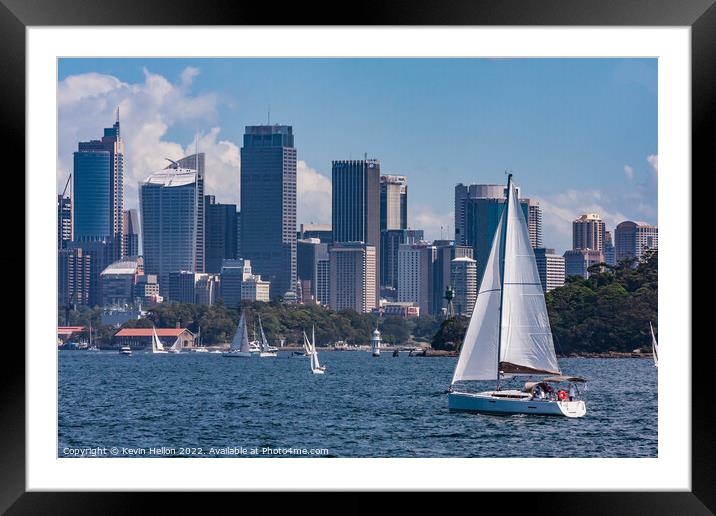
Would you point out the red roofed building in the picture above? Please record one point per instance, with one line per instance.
(64, 333)
(141, 338)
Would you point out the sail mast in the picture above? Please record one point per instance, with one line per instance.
(502, 273)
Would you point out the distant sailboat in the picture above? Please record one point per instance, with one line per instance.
(654, 347)
(509, 332)
(157, 346)
(240, 347)
(266, 350)
(176, 347)
(316, 367)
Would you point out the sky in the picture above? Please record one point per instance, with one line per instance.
(579, 135)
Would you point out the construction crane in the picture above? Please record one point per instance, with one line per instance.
(66, 185)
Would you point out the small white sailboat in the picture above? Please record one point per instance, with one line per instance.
(375, 343)
(509, 332)
(316, 367)
(266, 350)
(176, 347)
(654, 346)
(240, 347)
(157, 346)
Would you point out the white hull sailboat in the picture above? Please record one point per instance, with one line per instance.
(240, 347)
(266, 351)
(509, 333)
(310, 347)
(654, 347)
(157, 346)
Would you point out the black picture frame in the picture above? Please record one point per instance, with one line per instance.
(700, 15)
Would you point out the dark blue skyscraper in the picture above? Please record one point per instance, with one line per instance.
(268, 205)
(220, 233)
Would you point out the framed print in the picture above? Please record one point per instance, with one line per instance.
(420, 253)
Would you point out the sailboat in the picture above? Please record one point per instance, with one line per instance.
(509, 333)
(176, 347)
(157, 346)
(266, 350)
(240, 347)
(310, 346)
(654, 346)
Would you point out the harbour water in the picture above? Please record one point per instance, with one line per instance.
(204, 405)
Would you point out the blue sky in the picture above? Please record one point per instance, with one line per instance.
(580, 135)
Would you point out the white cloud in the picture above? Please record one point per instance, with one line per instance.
(653, 160)
(629, 172)
(313, 191)
(148, 109)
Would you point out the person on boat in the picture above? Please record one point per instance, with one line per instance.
(537, 392)
(550, 391)
(572, 392)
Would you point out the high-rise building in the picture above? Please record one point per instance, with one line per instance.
(352, 277)
(146, 290)
(356, 207)
(220, 233)
(117, 281)
(588, 232)
(169, 205)
(534, 222)
(578, 261)
(393, 202)
(193, 287)
(238, 234)
(74, 269)
(323, 232)
(633, 239)
(463, 279)
(268, 204)
(98, 189)
(64, 221)
(390, 241)
(481, 221)
(474, 191)
(610, 257)
(233, 274)
(131, 233)
(323, 281)
(255, 289)
(416, 275)
(550, 267)
(197, 162)
(310, 252)
(446, 252)
(96, 256)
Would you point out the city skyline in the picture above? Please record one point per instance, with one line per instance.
(579, 134)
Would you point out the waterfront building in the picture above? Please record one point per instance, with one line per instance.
(309, 253)
(356, 207)
(446, 252)
(415, 275)
(393, 202)
(131, 233)
(578, 261)
(233, 274)
(118, 280)
(634, 239)
(268, 204)
(141, 338)
(220, 233)
(390, 241)
(463, 280)
(352, 277)
(588, 232)
(64, 221)
(98, 189)
(169, 206)
(551, 268)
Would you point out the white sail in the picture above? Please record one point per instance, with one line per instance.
(177, 344)
(526, 338)
(479, 362)
(314, 354)
(241, 338)
(156, 343)
(264, 342)
(654, 346)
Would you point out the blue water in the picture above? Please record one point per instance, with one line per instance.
(361, 407)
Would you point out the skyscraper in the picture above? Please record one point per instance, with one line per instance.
(197, 162)
(98, 189)
(578, 261)
(131, 233)
(390, 240)
(415, 275)
(233, 275)
(463, 279)
(588, 232)
(534, 222)
(473, 191)
(446, 252)
(268, 204)
(169, 205)
(310, 252)
(393, 202)
(220, 233)
(352, 277)
(356, 207)
(64, 221)
(550, 267)
(73, 277)
(610, 257)
(633, 239)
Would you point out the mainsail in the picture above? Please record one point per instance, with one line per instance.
(241, 338)
(510, 318)
(156, 343)
(654, 346)
(264, 342)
